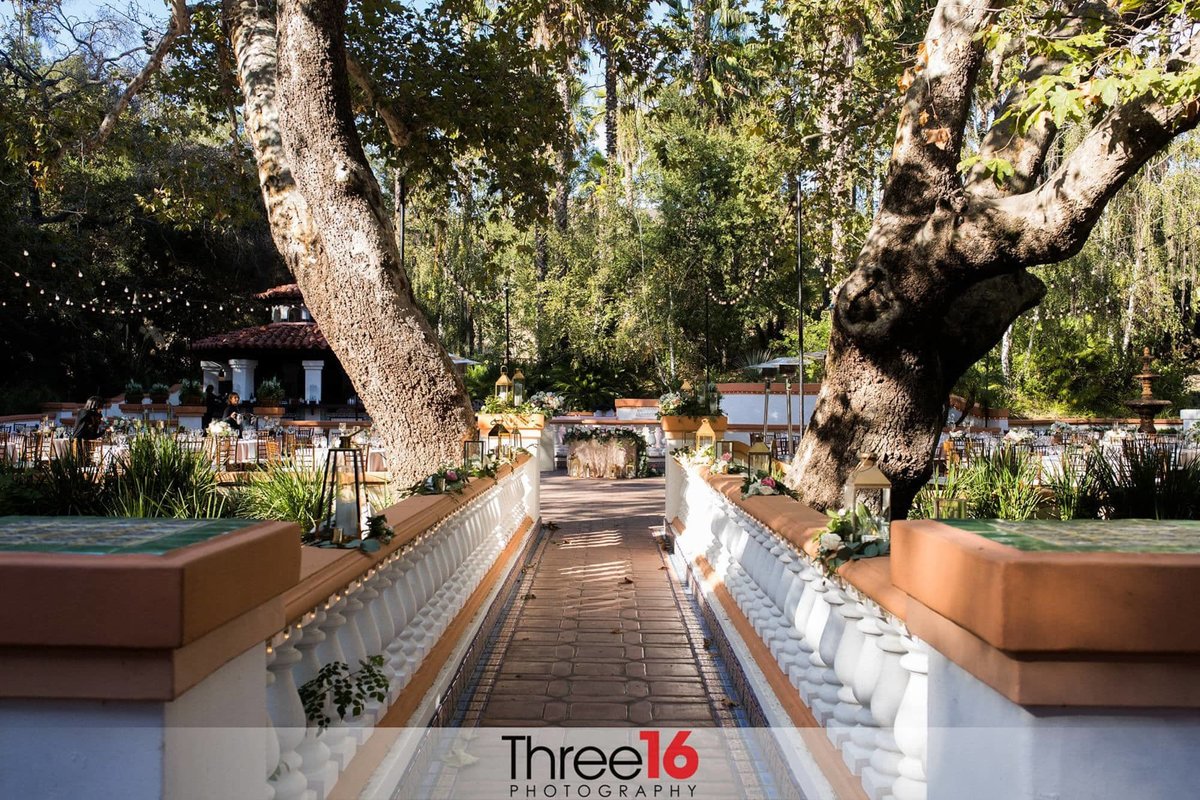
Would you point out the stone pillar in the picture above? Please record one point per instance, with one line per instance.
(312, 380)
(243, 376)
(212, 375)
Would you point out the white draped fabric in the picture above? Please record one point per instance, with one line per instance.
(593, 459)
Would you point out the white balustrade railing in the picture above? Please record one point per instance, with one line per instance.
(855, 665)
(399, 610)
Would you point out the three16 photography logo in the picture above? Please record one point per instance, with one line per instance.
(649, 766)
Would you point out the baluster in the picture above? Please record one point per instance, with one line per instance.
(341, 745)
(884, 767)
(856, 751)
(287, 715)
(814, 629)
(827, 693)
(912, 723)
(272, 761)
(351, 639)
(319, 767)
(845, 664)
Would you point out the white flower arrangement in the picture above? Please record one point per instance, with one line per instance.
(549, 403)
(1018, 435)
(670, 404)
(220, 428)
(1060, 428)
(694, 459)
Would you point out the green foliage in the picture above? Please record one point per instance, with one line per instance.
(160, 477)
(1148, 480)
(190, 391)
(850, 535)
(1074, 484)
(282, 491)
(346, 692)
(269, 393)
(1003, 484)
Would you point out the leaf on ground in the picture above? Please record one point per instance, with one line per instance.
(730, 703)
(627, 579)
(529, 596)
(664, 566)
(707, 643)
(550, 525)
(615, 630)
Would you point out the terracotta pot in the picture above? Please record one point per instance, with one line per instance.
(674, 424)
(519, 421)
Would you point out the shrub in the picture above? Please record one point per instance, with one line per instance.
(283, 492)
(1075, 487)
(1003, 485)
(1149, 480)
(159, 477)
(134, 392)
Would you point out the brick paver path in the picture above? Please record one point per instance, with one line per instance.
(600, 638)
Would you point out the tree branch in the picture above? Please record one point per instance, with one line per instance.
(978, 318)
(398, 130)
(1026, 152)
(180, 22)
(1055, 220)
(923, 168)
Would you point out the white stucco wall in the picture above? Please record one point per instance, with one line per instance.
(209, 743)
(984, 747)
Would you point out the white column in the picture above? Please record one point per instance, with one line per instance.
(312, 380)
(243, 376)
(212, 375)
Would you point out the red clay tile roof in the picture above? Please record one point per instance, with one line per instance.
(276, 336)
(285, 291)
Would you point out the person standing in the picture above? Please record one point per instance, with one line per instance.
(87, 425)
(212, 407)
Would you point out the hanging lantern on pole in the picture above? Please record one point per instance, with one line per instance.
(343, 492)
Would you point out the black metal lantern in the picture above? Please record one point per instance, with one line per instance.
(474, 452)
(342, 462)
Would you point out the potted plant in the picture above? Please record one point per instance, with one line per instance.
(159, 392)
(682, 412)
(190, 392)
(134, 392)
(268, 399)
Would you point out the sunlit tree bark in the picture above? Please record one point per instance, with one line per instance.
(944, 269)
(330, 223)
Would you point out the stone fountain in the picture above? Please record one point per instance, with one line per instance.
(1147, 406)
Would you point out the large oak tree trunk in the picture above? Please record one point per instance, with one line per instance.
(942, 273)
(330, 223)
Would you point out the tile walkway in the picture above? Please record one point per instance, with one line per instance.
(598, 635)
